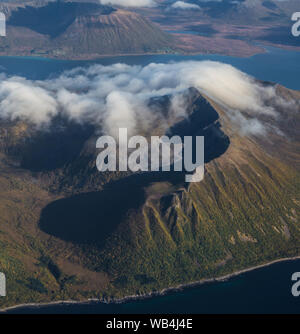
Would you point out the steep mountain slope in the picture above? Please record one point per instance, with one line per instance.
(80, 30)
(71, 232)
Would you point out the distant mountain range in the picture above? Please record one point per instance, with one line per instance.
(84, 29)
(228, 27)
(245, 11)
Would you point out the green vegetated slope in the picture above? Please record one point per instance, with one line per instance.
(131, 236)
(242, 214)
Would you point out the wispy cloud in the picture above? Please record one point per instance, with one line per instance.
(184, 5)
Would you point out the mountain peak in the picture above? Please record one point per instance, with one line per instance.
(55, 17)
(81, 30)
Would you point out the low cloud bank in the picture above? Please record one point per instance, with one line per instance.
(117, 96)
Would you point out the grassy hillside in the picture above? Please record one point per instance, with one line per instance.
(113, 236)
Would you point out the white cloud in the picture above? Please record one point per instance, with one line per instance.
(129, 3)
(184, 5)
(118, 95)
(22, 99)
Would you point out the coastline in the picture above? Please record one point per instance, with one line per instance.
(84, 57)
(151, 295)
(96, 57)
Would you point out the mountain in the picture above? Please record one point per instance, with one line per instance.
(68, 231)
(245, 11)
(236, 28)
(79, 31)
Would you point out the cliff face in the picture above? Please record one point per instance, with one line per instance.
(68, 231)
(79, 31)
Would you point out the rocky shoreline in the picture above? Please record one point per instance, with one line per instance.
(150, 295)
